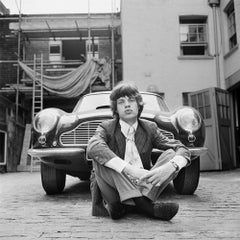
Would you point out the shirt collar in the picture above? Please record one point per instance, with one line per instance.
(125, 126)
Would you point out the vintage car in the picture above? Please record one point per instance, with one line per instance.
(60, 139)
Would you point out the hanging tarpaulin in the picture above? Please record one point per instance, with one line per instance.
(74, 83)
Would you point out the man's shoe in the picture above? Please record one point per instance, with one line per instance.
(116, 210)
(165, 211)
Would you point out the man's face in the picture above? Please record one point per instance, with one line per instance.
(127, 109)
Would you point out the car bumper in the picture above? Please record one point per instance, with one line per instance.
(195, 152)
(68, 159)
(56, 152)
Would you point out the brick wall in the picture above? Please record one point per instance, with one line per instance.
(36, 47)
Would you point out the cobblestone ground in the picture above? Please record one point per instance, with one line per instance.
(213, 212)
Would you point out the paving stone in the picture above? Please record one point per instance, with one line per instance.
(213, 212)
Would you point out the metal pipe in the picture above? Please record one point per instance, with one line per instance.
(215, 26)
(18, 67)
(113, 52)
(33, 87)
(44, 17)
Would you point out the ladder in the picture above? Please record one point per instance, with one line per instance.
(37, 94)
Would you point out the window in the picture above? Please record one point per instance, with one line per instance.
(232, 34)
(201, 101)
(55, 50)
(73, 49)
(193, 35)
(69, 49)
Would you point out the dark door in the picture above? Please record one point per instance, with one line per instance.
(3, 147)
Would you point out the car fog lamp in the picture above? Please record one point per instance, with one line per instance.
(45, 121)
(42, 139)
(189, 119)
(191, 138)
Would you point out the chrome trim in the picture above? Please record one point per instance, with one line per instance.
(54, 152)
(80, 135)
(196, 152)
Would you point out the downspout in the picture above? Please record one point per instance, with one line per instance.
(113, 45)
(214, 4)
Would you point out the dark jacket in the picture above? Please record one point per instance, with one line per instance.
(109, 142)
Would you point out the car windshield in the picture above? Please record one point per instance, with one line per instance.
(101, 101)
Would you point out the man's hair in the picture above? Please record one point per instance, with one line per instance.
(125, 89)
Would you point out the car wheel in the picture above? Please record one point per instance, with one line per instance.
(53, 180)
(188, 178)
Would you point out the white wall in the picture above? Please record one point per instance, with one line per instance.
(150, 33)
(232, 58)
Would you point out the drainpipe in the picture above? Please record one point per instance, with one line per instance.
(113, 45)
(214, 4)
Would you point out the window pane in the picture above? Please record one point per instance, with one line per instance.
(193, 38)
(54, 49)
(201, 110)
(206, 98)
(231, 25)
(183, 38)
(208, 112)
(194, 101)
(193, 50)
(200, 99)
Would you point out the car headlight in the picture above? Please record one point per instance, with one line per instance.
(189, 119)
(45, 121)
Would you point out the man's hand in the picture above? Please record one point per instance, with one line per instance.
(160, 175)
(135, 172)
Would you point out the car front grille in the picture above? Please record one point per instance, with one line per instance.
(83, 132)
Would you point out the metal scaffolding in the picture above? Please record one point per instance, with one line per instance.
(86, 26)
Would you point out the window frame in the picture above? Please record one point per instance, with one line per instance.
(55, 56)
(231, 25)
(189, 22)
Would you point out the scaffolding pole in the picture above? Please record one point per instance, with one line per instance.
(18, 67)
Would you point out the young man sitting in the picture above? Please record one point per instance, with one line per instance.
(121, 152)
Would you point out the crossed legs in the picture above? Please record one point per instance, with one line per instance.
(117, 189)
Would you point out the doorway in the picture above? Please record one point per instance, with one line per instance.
(236, 111)
(3, 147)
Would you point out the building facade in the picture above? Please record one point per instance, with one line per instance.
(52, 46)
(182, 49)
(178, 48)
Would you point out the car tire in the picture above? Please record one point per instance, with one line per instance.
(53, 180)
(188, 178)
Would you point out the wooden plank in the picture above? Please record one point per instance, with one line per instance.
(26, 145)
